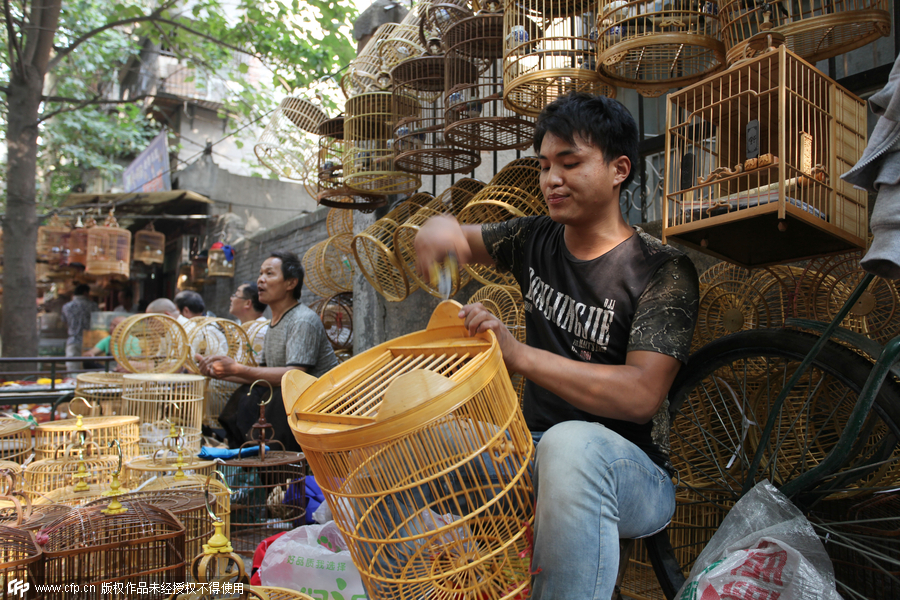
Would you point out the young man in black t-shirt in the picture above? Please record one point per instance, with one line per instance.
(609, 317)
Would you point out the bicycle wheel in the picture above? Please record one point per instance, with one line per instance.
(720, 403)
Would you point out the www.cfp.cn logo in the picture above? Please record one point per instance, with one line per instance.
(17, 586)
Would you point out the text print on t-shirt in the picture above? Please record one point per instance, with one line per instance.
(562, 310)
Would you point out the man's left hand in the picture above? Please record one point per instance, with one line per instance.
(218, 367)
(479, 319)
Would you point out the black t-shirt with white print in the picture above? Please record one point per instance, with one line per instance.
(641, 295)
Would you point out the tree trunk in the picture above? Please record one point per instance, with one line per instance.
(19, 328)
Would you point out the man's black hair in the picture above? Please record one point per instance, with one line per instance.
(190, 300)
(601, 121)
(291, 268)
(128, 293)
(82, 289)
(251, 293)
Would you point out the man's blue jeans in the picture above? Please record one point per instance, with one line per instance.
(592, 487)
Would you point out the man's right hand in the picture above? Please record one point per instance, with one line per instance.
(439, 236)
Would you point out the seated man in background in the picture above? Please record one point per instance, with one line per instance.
(103, 348)
(189, 304)
(245, 305)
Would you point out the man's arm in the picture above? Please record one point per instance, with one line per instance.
(443, 234)
(223, 367)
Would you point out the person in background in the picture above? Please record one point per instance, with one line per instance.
(295, 340)
(103, 348)
(190, 304)
(77, 315)
(126, 301)
(245, 305)
(163, 306)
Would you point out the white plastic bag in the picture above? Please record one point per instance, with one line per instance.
(314, 560)
(765, 549)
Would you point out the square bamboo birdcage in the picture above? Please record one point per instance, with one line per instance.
(108, 249)
(753, 159)
(150, 343)
(285, 145)
(812, 29)
(656, 46)
(101, 430)
(149, 246)
(144, 545)
(368, 161)
(475, 116)
(22, 560)
(163, 402)
(419, 138)
(327, 266)
(451, 201)
(52, 239)
(550, 50)
(103, 391)
(373, 249)
(401, 440)
(43, 476)
(15, 439)
(218, 264)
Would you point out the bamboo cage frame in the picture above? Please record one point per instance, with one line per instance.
(450, 201)
(166, 463)
(15, 440)
(218, 265)
(256, 337)
(109, 249)
(216, 337)
(338, 221)
(103, 391)
(285, 146)
(101, 430)
(17, 510)
(327, 266)
(43, 476)
(373, 250)
(754, 153)
(390, 43)
(548, 53)
(161, 343)
(330, 188)
(52, 240)
(21, 559)
(149, 246)
(336, 314)
(409, 425)
(78, 242)
(164, 402)
(216, 396)
(437, 19)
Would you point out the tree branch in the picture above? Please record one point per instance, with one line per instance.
(15, 53)
(82, 103)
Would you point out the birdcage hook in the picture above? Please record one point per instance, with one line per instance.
(118, 446)
(213, 515)
(271, 391)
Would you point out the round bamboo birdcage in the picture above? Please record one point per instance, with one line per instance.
(218, 392)
(165, 404)
(330, 163)
(450, 201)
(109, 249)
(367, 73)
(285, 146)
(327, 266)
(197, 482)
(218, 263)
(338, 221)
(103, 391)
(199, 271)
(655, 46)
(77, 253)
(216, 337)
(150, 343)
(421, 416)
(349, 199)
(811, 29)
(336, 314)
(256, 335)
(144, 545)
(149, 246)
(437, 19)
(523, 174)
(373, 250)
(22, 561)
(101, 430)
(504, 302)
(15, 440)
(52, 240)
(419, 138)
(43, 476)
(368, 161)
(475, 116)
(549, 52)
(166, 463)
(19, 512)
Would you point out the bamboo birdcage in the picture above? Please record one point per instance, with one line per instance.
(336, 314)
(505, 303)
(522, 174)
(51, 241)
(368, 160)
(109, 249)
(43, 476)
(165, 403)
(199, 270)
(197, 482)
(216, 396)
(753, 158)
(285, 146)
(143, 545)
(450, 201)
(811, 29)
(437, 19)
(419, 138)
(338, 222)
(366, 73)
(256, 336)
(218, 264)
(165, 464)
(185, 280)
(149, 246)
(656, 46)
(216, 337)
(475, 116)
(150, 343)
(419, 425)
(373, 250)
(103, 391)
(15, 440)
(77, 248)
(327, 266)
(22, 561)
(101, 430)
(330, 190)
(550, 50)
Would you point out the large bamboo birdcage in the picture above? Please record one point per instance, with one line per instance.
(402, 450)
(373, 249)
(753, 163)
(101, 430)
(285, 145)
(22, 561)
(15, 439)
(165, 403)
(812, 29)
(419, 138)
(150, 343)
(43, 476)
(451, 201)
(149, 246)
(338, 222)
(327, 266)
(103, 391)
(109, 249)
(217, 337)
(336, 314)
(52, 240)
(475, 116)
(654, 47)
(142, 546)
(179, 466)
(330, 190)
(550, 50)
(368, 161)
(77, 248)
